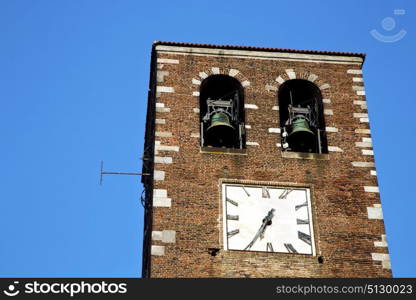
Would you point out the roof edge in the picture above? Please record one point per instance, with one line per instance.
(253, 48)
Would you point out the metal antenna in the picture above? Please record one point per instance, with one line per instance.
(117, 173)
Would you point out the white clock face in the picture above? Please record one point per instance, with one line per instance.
(269, 219)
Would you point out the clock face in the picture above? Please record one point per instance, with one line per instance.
(269, 219)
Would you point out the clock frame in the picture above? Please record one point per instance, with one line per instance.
(265, 218)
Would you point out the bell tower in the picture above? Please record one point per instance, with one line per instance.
(261, 165)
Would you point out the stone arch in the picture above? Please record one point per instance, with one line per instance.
(197, 80)
(301, 118)
(292, 74)
(212, 84)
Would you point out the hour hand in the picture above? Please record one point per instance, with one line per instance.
(260, 233)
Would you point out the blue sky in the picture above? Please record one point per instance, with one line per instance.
(73, 91)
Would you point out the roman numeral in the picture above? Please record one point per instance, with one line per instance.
(265, 192)
(269, 247)
(301, 205)
(232, 217)
(232, 201)
(290, 248)
(300, 221)
(285, 193)
(304, 237)
(233, 233)
(248, 194)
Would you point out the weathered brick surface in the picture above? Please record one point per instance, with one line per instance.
(344, 235)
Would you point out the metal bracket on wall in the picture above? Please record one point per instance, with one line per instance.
(118, 173)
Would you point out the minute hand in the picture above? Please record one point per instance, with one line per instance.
(260, 233)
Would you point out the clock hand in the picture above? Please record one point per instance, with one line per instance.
(255, 237)
(260, 233)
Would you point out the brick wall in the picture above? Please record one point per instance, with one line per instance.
(187, 208)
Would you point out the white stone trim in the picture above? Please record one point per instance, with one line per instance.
(203, 75)
(354, 71)
(251, 106)
(167, 61)
(166, 148)
(162, 202)
(160, 121)
(362, 131)
(371, 189)
(363, 145)
(366, 142)
(312, 77)
(326, 101)
(163, 133)
(364, 120)
(331, 129)
(279, 145)
(160, 193)
(196, 94)
(361, 93)
(247, 126)
(252, 143)
(233, 72)
(375, 212)
(360, 102)
(196, 81)
(158, 104)
(158, 175)
(156, 235)
(274, 130)
(280, 80)
(334, 149)
(160, 75)
(325, 86)
(373, 172)
(367, 152)
(382, 243)
(358, 88)
(165, 89)
(165, 236)
(275, 107)
(328, 112)
(196, 110)
(360, 115)
(160, 198)
(157, 250)
(195, 135)
(357, 79)
(169, 236)
(291, 74)
(362, 164)
(384, 258)
(162, 109)
(245, 83)
(163, 160)
(215, 70)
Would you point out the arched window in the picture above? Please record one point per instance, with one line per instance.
(301, 117)
(222, 112)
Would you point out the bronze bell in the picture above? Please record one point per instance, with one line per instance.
(301, 138)
(220, 132)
